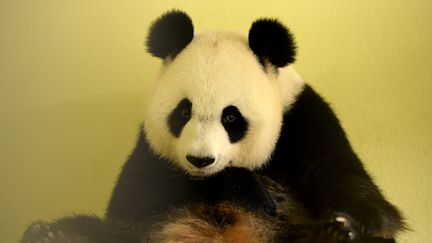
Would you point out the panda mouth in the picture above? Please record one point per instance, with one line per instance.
(196, 173)
(218, 165)
(199, 174)
(205, 171)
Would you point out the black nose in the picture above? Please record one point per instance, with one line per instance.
(200, 162)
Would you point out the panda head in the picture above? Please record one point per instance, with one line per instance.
(220, 96)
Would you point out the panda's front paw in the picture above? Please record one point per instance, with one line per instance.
(340, 228)
(42, 232)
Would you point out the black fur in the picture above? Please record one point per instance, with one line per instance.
(169, 34)
(272, 42)
(179, 117)
(315, 159)
(234, 123)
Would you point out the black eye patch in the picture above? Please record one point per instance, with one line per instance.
(179, 117)
(234, 123)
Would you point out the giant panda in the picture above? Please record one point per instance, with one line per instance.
(234, 147)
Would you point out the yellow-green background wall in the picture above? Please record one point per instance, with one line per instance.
(74, 76)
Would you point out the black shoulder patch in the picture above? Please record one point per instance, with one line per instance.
(169, 34)
(271, 41)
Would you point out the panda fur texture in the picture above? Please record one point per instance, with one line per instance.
(234, 147)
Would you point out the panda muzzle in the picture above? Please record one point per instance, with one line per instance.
(200, 162)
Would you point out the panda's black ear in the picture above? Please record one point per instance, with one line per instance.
(169, 34)
(272, 42)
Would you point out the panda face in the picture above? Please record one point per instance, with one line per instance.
(214, 106)
(220, 97)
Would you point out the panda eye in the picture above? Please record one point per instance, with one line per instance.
(230, 117)
(185, 113)
(234, 123)
(179, 117)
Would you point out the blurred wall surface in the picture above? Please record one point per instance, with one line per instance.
(74, 76)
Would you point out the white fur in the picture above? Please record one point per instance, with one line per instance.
(215, 70)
